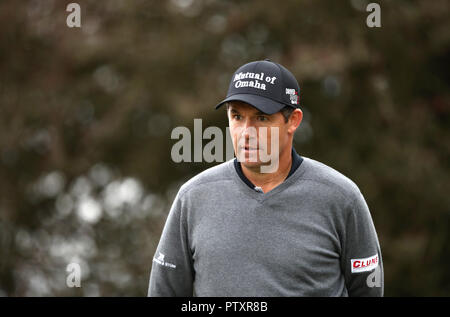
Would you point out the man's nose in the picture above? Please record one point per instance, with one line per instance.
(249, 130)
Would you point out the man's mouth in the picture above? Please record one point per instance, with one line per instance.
(249, 148)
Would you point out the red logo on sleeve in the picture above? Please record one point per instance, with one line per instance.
(365, 264)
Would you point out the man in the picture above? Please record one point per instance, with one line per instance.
(296, 228)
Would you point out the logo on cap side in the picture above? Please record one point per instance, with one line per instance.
(293, 95)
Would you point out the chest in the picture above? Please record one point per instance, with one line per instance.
(292, 240)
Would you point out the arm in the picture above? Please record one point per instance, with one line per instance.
(172, 271)
(361, 261)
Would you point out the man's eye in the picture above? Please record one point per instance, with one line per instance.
(236, 117)
(262, 118)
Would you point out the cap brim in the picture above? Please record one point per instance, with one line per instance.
(265, 105)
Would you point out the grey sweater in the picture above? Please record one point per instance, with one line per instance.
(312, 235)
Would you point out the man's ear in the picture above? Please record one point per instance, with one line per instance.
(294, 120)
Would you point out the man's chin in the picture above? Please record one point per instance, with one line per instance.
(249, 161)
(250, 164)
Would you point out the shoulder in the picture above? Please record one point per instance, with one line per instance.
(209, 178)
(326, 179)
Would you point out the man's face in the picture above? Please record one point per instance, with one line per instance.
(257, 136)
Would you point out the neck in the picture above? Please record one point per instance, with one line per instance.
(268, 181)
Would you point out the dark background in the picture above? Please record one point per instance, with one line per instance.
(86, 116)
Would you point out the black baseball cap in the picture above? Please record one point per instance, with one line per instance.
(265, 85)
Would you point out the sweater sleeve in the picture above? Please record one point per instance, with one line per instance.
(361, 261)
(172, 272)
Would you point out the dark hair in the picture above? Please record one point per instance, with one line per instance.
(286, 111)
